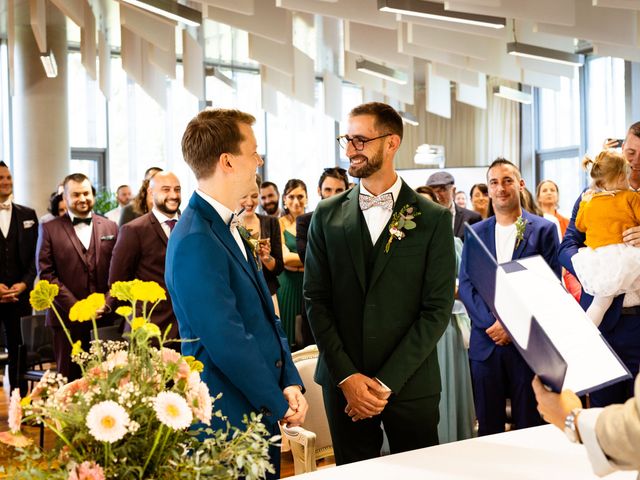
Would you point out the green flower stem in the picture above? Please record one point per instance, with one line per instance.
(63, 438)
(96, 337)
(153, 449)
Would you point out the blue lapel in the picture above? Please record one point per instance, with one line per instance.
(488, 235)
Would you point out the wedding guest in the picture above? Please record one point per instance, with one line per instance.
(141, 203)
(461, 199)
(270, 200)
(480, 199)
(443, 184)
(123, 197)
(294, 200)
(219, 297)
(265, 229)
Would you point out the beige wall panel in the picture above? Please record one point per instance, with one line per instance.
(267, 21)
(88, 42)
(275, 55)
(193, 64)
(151, 28)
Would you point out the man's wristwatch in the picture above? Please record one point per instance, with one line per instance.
(570, 429)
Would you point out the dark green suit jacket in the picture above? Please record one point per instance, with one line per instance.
(386, 326)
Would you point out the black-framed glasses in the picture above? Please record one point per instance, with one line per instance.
(357, 142)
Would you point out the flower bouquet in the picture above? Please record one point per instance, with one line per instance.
(137, 411)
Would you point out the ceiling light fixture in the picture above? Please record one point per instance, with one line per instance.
(169, 9)
(512, 94)
(49, 63)
(436, 11)
(409, 118)
(381, 71)
(546, 54)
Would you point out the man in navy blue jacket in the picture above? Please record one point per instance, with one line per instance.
(498, 371)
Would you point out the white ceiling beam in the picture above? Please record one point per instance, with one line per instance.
(304, 78)
(362, 11)
(458, 75)
(474, 96)
(626, 4)
(88, 42)
(551, 11)
(154, 29)
(541, 80)
(631, 54)
(498, 33)
(74, 9)
(427, 53)
(267, 21)
(104, 59)
(374, 42)
(268, 98)
(454, 42)
(438, 96)
(332, 85)
(268, 52)
(245, 7)
(193, 65)
(38, 20)
(598, 24)
(281, 82)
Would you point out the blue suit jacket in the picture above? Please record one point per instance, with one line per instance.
(540, 238)
(572, 241)
(221, 300)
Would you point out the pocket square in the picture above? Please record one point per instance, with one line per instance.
(107, 237)
(28, 223)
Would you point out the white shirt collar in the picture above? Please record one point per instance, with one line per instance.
(162, 217)
(223, 211)
(394, 189)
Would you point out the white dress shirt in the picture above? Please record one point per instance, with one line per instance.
(587, 423)
(377, 217)
(505, 242)
(225, 214)
(5, 218)
(162, 219)
(83, 231)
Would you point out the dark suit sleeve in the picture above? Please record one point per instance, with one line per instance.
(317, 295)
(48, 270)
(302, 227)
(124, 259)
(572, 241)
(438, 287)
(550, 244)
(29, 242)
(209, 307)
(480, 314)
(276, 245)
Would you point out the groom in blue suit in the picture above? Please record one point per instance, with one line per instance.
(498, 371)
(220, 299)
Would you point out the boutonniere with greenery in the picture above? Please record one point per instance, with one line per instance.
(253, 241)
(401, 221)
(521, 224)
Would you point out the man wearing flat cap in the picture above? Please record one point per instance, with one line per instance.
(443, 184)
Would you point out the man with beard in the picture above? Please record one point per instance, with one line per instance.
(18, 237)
(142, 246)
(270, 199)
(379, 283)
(74, 252)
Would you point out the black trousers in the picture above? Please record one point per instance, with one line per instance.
(10, 314)
(408, 424)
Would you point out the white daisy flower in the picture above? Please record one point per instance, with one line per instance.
(15, 411)
(107, 421)
(172, 410)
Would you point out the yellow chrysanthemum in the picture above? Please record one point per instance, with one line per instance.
(122, 290)
(152, 329)
(124, 311)
(96, 300)
(137, 322)
(76, 349)
(84, 310)
(148, 292)
(41, 297)
(26, 401)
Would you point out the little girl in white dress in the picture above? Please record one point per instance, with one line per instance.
(606, 267)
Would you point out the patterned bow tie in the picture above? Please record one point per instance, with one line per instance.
(5, 206)
(78, 220)
(234, 222)
(367, 201)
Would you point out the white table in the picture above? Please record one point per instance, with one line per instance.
(533, 453)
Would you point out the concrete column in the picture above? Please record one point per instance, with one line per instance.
(40, 111)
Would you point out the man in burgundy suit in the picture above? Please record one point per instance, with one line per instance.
(74, 252)
(142, 246)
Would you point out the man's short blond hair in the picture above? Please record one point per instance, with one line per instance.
(210, 134)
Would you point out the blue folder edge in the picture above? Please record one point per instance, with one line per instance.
(541, 355)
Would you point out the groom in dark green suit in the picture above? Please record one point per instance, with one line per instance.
(379, 284)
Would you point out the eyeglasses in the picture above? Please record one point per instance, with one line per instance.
(357, 142)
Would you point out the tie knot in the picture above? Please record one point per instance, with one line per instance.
(234, 221)
(78, 220)
(5, 206)
(384, 200)
(171, 223)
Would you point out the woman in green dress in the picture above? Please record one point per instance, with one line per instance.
(294, 199)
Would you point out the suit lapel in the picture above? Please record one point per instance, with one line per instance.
(489, 236)
(96, 234)
(157, 228)
(67, 226)
(457, 221)
(353, 233)
(406, 197)
(517, 253)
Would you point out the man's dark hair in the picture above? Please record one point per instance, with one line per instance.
(121, 186)
(210, 134)
(480, 186)
(2, 164)
(428, 191)
(635, 129)
(503, 161)
(334, 172)
(148, 171)
(76, 177)
(387, 119)
(270, 184)
(292, 184)
(54, 204)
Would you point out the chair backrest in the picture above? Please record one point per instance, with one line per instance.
(316, 420)
(36, 337)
